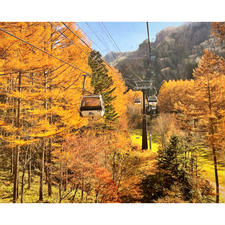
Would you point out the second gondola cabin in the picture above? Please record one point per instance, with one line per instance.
(92, 106)
(152, 100)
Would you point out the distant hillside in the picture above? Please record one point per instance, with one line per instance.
(175, 52)
(114, 57)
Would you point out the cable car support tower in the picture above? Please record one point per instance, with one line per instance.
(148, 89)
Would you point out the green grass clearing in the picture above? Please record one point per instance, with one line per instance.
(136, 138)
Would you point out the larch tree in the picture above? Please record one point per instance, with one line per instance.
(206, 104)
(40, 96)
(17, 64)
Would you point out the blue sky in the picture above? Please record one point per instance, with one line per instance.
(127, 35)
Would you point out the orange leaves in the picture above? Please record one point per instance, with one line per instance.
(106, 163)
(47, 99)
(105, 187)
(85, 153)
(209, 64)
(201, 102)
(85, 156)
(172, 93)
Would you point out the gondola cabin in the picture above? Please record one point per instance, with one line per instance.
(137, 101)
(152, 100)
(92, 106)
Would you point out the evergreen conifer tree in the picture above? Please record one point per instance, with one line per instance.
(102, 83)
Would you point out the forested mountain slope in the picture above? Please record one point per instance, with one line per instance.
(175, 52)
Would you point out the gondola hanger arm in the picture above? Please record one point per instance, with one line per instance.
(85, 75)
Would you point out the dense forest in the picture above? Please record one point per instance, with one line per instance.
(50, 154)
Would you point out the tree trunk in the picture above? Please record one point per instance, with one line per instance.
(42, 172)
(60, 184)
(75, 192)
(22, 186)
(12, 162)
(50, 140)
(216, 175)
(96, 197)
(29, 169)
(212, 132)
(17, 151)
(114, 166)
(82, 195)
(42, 166)
(86, 198)
(16, 174)
(65, 181)
(48, 169)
